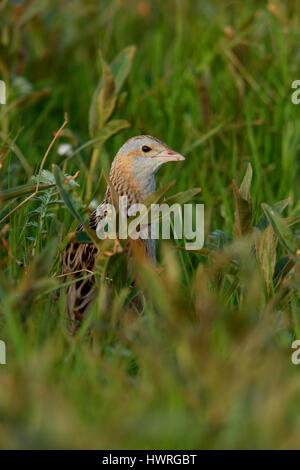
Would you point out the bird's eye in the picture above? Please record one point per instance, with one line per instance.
(146, 149)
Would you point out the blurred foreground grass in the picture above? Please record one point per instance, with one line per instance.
(208, 362)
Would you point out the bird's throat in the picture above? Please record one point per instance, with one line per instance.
(134, 181)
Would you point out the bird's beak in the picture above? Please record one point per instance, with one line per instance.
(170, 156)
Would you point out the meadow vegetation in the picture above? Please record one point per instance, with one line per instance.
(206, 362)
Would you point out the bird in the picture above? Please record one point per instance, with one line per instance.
(132, 174)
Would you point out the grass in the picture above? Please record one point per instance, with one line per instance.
(207, 364)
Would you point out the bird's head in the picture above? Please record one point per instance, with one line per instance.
(140, 158)
(149, 152)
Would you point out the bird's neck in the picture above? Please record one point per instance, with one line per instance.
(126, 182)
(137, 188)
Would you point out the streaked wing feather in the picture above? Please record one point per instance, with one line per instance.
(78, 260)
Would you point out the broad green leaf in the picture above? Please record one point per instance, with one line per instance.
(107, 96)
(65, 195)
(184, 196)
(281, 229)
(246, 184)
(279, 206)
(242, 214)
(22, 190)
(103, 101)
(265, 245)
(107, 91)
(158, 194)
(121, 66)
(121, 99)
(243, 206)
(293, 220)
(282, 268)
